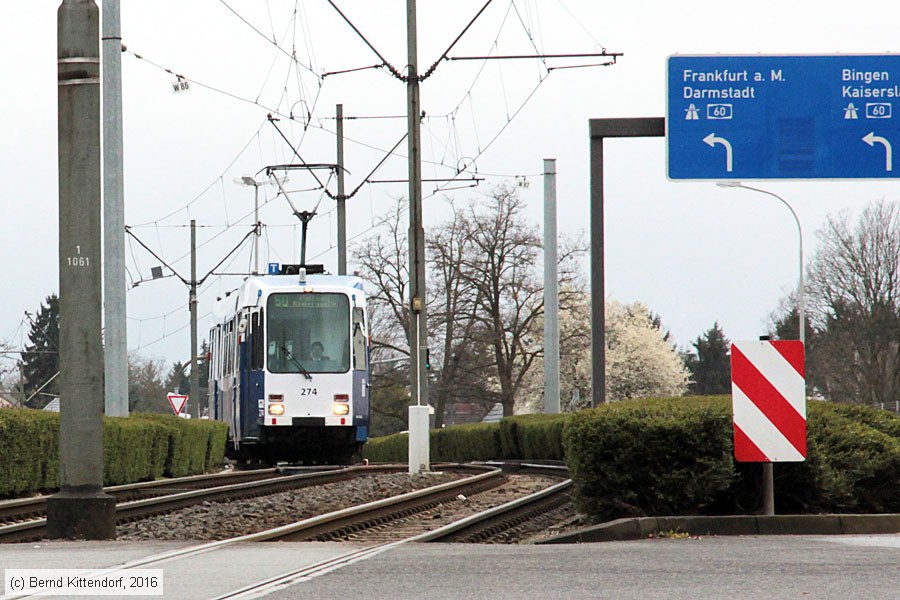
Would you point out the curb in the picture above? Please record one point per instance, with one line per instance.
(637, 528)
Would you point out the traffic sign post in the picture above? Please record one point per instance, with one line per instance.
(769, 401)
(769, 404)
(177, 402)
(782, 117)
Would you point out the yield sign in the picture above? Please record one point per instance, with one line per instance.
(177, 401)
(769, 400)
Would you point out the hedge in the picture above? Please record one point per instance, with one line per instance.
(477, 441)
(658, 457)
(133, 450)
(674, 456)
(136, 448)
(665, 456)
(29, 450)
(387, 449)
(519, 437)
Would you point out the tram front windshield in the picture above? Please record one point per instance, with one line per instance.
(308, 330)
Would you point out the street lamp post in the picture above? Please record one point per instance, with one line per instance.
(250, 181)
(768, 478)
(801, 295)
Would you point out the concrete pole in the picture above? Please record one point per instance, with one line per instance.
(195, 376)
(21, 383)
(341, 200)
(116, 330)
(419, 457)
(551, 292)
(80, 509)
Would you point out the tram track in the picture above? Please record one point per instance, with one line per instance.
(390, 518)
(25, 520)
(387, 513)
(23, 508)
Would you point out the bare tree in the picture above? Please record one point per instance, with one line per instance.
(485, 301)
(383, 261)
(501, 264)
(854, 297)
(452, 315)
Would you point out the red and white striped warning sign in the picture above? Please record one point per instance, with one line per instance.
(768, 393)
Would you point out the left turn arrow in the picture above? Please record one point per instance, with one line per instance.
(712, 140)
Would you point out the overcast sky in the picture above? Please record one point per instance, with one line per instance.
(693, 252)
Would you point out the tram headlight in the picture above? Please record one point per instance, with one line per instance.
(276, 409)
(340, 409)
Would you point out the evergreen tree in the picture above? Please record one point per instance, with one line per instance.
(710, 363)
(146, 389)
(178, 379)
(41, 356)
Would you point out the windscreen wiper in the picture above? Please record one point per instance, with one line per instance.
(294, 360)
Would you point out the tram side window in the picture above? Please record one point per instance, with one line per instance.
(256, 348)
(359, 340)
(217, 354)
(213, 371)
(229, 347)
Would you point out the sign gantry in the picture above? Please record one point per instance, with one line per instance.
(782, 117)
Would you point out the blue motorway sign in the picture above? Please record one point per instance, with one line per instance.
(783, 117)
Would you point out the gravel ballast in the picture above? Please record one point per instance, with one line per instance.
(223, 520)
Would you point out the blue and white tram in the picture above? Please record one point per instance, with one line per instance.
(289, 370)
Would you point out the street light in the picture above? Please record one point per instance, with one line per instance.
(801, 296)
(248, 180)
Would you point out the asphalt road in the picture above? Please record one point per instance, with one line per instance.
(839, 567)
(765, 567)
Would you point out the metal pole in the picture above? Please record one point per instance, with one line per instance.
(801, 291)
(195, 376)
(768, 485)
(419, 459)
(80, 509)
(341, 200)
(601, 129)
(258, 228)
(116, 329)
(21, 384)
(598, 283)
(551, 292)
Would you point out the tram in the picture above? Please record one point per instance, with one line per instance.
(289, 367)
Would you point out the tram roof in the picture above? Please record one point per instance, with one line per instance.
(247, 294)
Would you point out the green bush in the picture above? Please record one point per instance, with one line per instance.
(532, 437)
(215, 451)
(654, 456)
(882, 420)
(187, 444)
(675, 456)
(29, 450)
(388, 449)
(136, 448)
(863, 461)
(508, 432)
(133, 450)
(539, 436)
(463, 443)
